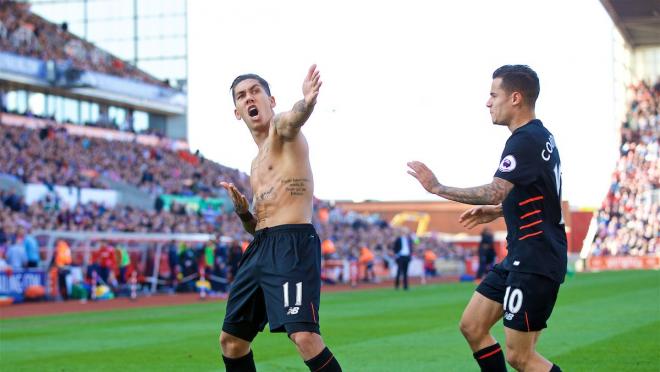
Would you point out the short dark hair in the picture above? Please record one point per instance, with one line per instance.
(519, 78)
(262, 82)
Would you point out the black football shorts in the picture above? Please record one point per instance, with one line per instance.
(278, 282)
(527, 299)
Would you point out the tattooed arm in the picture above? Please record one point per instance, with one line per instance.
(491, 194)
(288, 123)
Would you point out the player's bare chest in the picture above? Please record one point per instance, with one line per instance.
(265, 165)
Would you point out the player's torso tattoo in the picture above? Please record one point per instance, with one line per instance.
(282, 181)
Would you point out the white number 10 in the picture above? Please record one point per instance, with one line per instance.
(512, 300)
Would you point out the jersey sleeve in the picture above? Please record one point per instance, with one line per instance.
(519, 161)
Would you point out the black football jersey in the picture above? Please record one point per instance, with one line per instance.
(536, 238)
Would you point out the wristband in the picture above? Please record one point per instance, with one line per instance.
(245, 216)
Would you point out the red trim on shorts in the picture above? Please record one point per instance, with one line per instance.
(491, 353)
(325, 364)
(313, 312)
(530, 224)
(530, 235)
(530, 200)
(527, 321)
(530, 214)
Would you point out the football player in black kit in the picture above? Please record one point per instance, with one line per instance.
(526, 191)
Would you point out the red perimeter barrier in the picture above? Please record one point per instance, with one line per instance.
(623, 263)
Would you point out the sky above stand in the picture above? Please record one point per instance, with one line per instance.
(407, 80)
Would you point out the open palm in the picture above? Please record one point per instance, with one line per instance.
(311, 85)
(423, 174)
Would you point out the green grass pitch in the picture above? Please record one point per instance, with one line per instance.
(602, 322)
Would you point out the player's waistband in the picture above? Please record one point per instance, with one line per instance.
(302, 227)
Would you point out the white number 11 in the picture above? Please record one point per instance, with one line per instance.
(298, 294)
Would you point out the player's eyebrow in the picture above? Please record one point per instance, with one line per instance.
(244, 90)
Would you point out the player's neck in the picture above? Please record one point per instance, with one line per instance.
(521, 119)
(259, 136)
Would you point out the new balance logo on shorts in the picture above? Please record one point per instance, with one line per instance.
(292, 310)
(508, 315)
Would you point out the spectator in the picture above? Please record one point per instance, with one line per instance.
(486, 252)
(106, 262)
(62, 263)
(429, 263)
(124, 260)
(4, 266)
(367, 264)
(189, 268)
(403, 249)
(173, 261)
(31, 250)
(219, 279)
(209, 254)
(235, 254)
(15, 255)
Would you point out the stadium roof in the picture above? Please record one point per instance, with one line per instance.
(637, 20)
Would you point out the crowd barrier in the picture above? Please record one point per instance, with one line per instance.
(14, 283)
(604, 263)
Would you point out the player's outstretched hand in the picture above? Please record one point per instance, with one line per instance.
(424, 175)
(311, 85)
(241, 204)
(479, 215)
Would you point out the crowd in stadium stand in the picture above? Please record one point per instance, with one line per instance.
(52, 156)
(365, 240)
(27, 34)
(51, 214)
(629, 219)
(349, 231)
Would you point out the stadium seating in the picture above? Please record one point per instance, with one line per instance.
(629, 219)
(52, 156)
(27, 34)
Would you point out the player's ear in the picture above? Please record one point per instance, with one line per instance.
(238, 116)
(272, 102)
(516, 98)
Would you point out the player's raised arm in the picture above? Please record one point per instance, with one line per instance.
(288, 123)
(491, 194)
(241, 206)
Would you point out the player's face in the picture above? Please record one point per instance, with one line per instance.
(253, 104)
(499, 104)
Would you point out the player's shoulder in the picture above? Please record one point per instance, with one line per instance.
(533, 127)
(523, 138)
(537, 129)
(532, 133)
